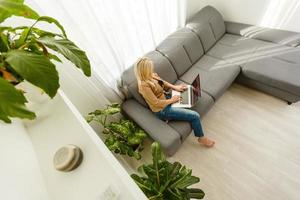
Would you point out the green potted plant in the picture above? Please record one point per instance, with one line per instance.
(123, 136)
(26, 54)
(162, 180)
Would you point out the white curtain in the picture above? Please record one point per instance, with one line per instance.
(114, 33)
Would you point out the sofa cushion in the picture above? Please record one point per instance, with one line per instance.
(161, 66)
(215, 75)
(205, 34)
(238, 50)
(156, 128)
(210, 17)
(173, 49)
(276, 73)
(283, 37)
(190, 42)
(292, 56)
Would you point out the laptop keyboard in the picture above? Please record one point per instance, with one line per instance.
(184, 97)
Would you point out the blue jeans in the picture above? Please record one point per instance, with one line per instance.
(182, 114)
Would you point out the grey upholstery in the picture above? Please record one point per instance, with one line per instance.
(156, 128)
(275, 73)
(292, 56)
(182, 48)
(215, 75)
(209, 25)
(211, 16)
(261, 58)
(205, 34)
(238, 50)
(241, 79)
(288, 38)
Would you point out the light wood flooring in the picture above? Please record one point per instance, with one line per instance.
(257, 152)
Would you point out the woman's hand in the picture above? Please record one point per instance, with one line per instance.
(180, 88)
(175, 98)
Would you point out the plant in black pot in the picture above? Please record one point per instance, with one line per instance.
(123, 136)
(162, 180)
(27, 54)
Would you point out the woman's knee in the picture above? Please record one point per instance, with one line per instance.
(195, 115)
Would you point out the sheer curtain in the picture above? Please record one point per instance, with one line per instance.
(114, 33)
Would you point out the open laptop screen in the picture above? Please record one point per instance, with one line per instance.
(196, 89)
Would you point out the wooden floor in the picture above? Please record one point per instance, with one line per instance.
(257, 152)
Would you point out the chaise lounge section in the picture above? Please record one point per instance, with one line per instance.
(221, 52)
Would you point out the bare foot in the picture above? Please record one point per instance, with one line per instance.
(206, 142)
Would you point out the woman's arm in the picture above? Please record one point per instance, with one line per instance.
(168, 85)
(150, 97)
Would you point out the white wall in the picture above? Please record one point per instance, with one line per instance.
(283, 14)
(20, 175)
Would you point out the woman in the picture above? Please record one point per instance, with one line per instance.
(153, 88)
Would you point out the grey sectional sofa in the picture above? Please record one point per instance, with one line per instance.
(221, 52)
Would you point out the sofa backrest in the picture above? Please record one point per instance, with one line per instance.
(182, 48)
(162, 66)
(209, 25)
(284, 37)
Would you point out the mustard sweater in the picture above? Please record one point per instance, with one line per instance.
(153, 94)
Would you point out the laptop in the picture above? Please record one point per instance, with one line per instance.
(190, 96)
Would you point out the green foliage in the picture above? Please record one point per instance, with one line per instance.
(122, 137)
(12, 103)
(162, 180)
(36, 69)
(69, 50)
(17, 8)
(24, 55)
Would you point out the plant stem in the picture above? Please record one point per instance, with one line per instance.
(23, 46)
(31, 29)
(105, 119)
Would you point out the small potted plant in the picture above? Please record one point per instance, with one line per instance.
(27, 54)
(123, 136)
(162, 180)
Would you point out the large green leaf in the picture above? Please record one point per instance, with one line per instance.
(15, 7)
(195, 193)
(164, 180)
(70, 52)
(12, 103)
(36, 69)
(52, 20)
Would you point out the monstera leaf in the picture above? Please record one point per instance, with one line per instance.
(12, 103)
(15, 7)
(162, 180)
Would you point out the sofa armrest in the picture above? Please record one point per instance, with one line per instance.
(278, 36)
(157, 129)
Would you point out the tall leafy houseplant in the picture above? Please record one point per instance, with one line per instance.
(123, 136)
(162, 180)
(25, 55)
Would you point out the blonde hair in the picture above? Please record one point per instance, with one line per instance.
(143, 69)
